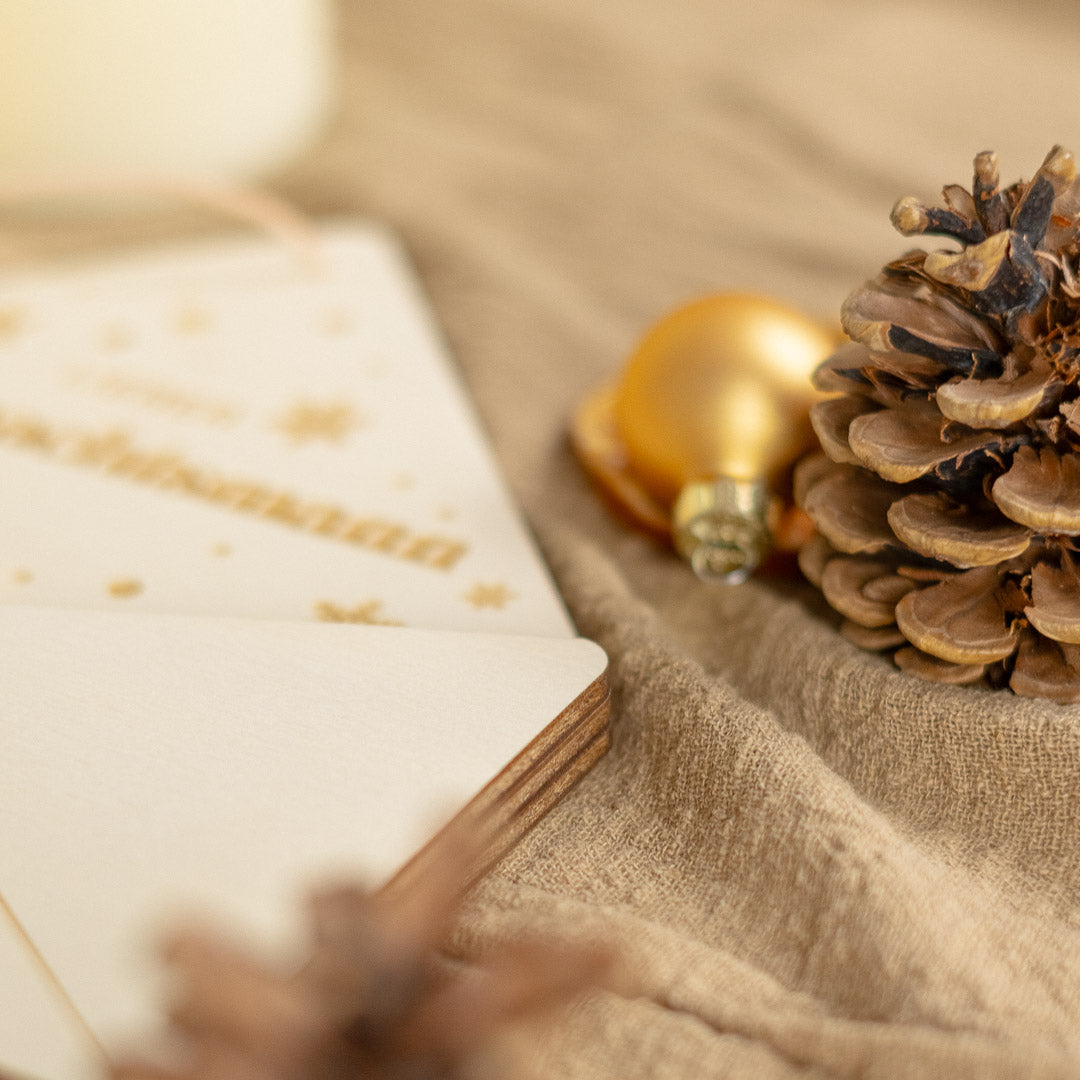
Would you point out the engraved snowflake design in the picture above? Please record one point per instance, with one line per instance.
(495, 595)
(368, 613)
(309, 421)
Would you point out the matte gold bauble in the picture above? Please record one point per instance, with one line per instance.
(711, 407)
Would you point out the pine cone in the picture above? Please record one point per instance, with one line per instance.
(948, 506)
(376, 999)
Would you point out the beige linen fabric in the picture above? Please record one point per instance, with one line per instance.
(814, 865)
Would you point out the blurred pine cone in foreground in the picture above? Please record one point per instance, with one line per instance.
(375, 1001)
(948, 506)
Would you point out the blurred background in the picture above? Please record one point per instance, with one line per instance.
(563, 171)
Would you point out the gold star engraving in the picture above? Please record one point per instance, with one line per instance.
(495, 595)
(22, 577)
(125, 588)
(368, 613)
(192, 320)
(11, 322)
(308, 421)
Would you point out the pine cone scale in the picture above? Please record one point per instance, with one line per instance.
(992, 403)
(851, 510)
(831, 420)
(888, 315)
(1041, 491)
(960, 619)
(905, 443)
(844, 584)
(925, 666)
(1055, 607)
(875, 640)
(962, 535)
(1046, 669)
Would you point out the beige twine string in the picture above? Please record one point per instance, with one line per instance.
(273, 215)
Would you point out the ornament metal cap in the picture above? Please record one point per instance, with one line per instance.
(721, 527)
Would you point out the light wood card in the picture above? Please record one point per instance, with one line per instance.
(205, 453)
(159, 764)
(228, 429)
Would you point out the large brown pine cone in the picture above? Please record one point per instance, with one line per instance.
(948, 506)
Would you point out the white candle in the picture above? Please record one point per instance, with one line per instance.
(219, 89)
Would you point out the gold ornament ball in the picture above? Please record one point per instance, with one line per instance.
(712, 404)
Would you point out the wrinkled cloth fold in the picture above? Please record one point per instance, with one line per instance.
(812, 864)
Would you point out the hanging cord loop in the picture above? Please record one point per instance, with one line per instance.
(251, 206)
